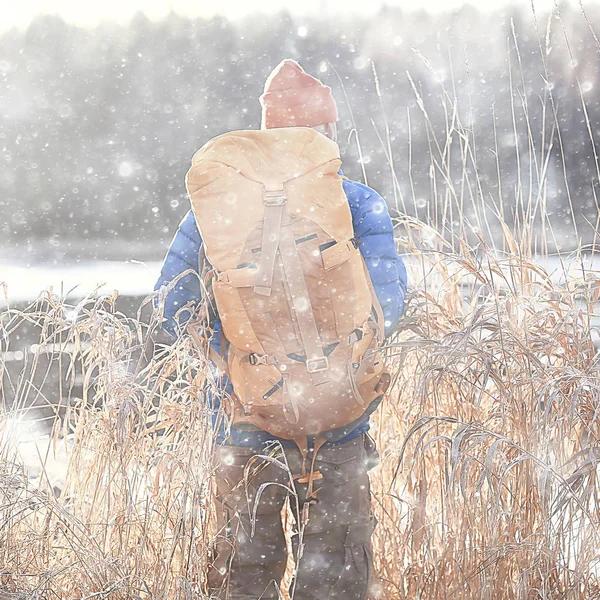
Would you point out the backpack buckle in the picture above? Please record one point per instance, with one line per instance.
(274, 198)
(260, 359)
(355, 336)
(318, 364)
(383, 384)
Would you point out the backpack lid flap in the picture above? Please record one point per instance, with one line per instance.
(233, 177)
(270, 156)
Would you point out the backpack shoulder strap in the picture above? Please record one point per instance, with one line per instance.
(206, 273)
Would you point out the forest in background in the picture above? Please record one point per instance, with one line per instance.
(98, 126)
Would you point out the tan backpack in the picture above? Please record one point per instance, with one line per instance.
(291, 288)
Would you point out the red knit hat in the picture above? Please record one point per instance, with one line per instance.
(293, 98)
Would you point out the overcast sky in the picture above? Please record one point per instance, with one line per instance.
(86, 12)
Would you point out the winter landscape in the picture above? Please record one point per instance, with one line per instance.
(479, 125)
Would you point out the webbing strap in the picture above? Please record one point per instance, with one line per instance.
(313, 476)
(217, 359)
(238, 278)
(311, 341)
(309, 477)
(274, 206)
(207, 273)
(335, 255)
(375, 304)
(353, 385)
(291, 408)
(367, 360)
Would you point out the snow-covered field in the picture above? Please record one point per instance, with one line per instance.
(43, 461)
(25, 282)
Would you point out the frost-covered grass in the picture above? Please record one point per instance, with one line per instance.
(490, 439)
(127, 517)
(487, 486)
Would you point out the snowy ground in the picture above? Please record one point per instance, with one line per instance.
(25, 282)
(43, 461)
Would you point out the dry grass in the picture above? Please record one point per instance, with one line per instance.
(487, 488)
(488, 485)
(131, 519)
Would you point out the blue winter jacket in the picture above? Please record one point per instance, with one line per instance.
(373, 229)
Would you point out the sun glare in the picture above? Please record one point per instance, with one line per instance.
(85, 14)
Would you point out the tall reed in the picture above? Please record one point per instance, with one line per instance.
(488, 484)
(131, 518)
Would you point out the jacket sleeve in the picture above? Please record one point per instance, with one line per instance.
(182, 256)
(374, 230)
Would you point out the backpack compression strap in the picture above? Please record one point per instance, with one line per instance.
(316, 361)
(276, 237)
(274, 201)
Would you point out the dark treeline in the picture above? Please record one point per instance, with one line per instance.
(97, 127)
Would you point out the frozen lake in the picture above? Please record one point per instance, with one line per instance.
(24, 282)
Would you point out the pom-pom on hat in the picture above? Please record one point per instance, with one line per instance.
(293, 98)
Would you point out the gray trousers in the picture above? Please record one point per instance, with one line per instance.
(337, 560)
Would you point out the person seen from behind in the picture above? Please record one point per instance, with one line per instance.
(307, 283)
